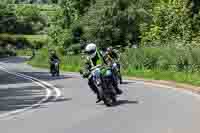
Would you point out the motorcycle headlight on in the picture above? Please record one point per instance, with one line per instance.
(108, 73)
(114, 65)
(96, 73)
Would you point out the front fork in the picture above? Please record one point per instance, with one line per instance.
(97, 76)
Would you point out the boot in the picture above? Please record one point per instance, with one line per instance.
(119, 91)
(95, 90)
(98, 98)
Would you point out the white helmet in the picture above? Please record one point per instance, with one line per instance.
(91, 50)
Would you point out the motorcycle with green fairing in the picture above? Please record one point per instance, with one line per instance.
(102, 77)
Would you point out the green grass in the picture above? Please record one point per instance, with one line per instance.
(30, 38)
(27, 52)
(74, 63)
(179, 77)
(6, 52)
(29, 41)
(46, 9)
(68, 63)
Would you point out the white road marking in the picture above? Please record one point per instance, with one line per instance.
(179, 89)
(36, 81)
(57, 90)
(176, 89)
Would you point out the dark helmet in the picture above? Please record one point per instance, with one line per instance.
(52, 52)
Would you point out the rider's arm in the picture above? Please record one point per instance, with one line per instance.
(103, 56)
(115, 54)
(56, 57)
(85, 71)
(50, 59)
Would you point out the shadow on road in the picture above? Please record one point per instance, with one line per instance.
(18, 98)
(15, 98)
(46, 76)
(123, 102)
(128, 82)
(62, 100)
(15, 60)
(40, 75)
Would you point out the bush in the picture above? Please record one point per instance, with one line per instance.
(23, 41)
(170, 22)
(167, 59)
(7, 52)
(68, 62)
(115, 24)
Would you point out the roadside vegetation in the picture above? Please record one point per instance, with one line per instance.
(166, 33)
(152, 63)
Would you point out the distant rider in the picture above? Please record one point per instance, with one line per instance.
(53, 57)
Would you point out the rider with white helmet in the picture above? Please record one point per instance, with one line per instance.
(94, 58)
(94, 55)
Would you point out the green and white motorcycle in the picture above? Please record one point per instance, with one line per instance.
(103, 79)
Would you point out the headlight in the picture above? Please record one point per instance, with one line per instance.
(108, 73)
(114, 64)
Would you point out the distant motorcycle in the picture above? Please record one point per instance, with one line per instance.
(103, 79)
(55, 68)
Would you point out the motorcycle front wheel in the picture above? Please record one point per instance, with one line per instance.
(109, 100)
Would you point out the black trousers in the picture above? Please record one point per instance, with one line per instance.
(93, 86)
(53, 67)
(95, 89)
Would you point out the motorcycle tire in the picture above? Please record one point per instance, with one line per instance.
(109, 101)
(120, 79)
(58, 74)
(52, 74)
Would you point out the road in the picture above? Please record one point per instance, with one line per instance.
(32, 105)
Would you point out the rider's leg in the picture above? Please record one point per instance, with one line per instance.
(58, 74)
(94, 89)
(51, 68)
(120, 76)
(115, 84)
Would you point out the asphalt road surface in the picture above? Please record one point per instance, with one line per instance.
(30, 104)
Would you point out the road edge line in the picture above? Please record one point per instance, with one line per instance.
(47, 96)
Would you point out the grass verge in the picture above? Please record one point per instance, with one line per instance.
(179, 77)
(31, 38)
(27, 52)
(74, 63)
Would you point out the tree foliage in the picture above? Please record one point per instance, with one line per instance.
(169, 22)
(7, 17)
(109, 22)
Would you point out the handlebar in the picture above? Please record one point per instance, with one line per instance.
(55, 61)
(97, 66)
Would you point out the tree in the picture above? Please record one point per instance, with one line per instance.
(194, 5)
(170, 23)
(7, 17)
(30, 19)
(116, 24)
(82, 5)
(69, 13)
